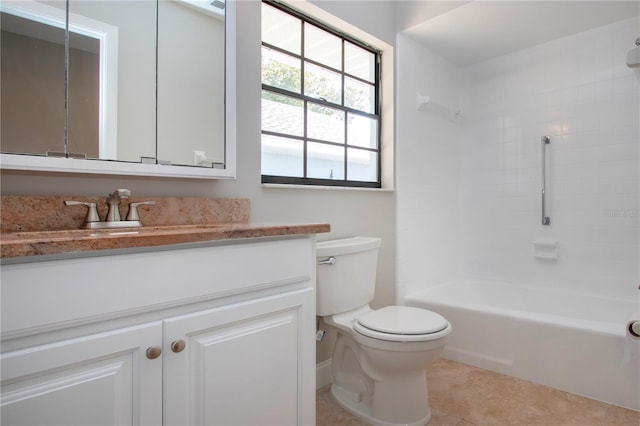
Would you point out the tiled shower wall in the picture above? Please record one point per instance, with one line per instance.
(579, 91)
(468, 191)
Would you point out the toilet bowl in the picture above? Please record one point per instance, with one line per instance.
(380, 356)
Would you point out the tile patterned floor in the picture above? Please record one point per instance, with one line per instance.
(462, 395)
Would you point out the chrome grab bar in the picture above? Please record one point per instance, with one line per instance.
(546, 140)
(329, 261)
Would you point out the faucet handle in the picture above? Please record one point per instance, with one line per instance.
(121, 193)
(133, 209)
(92, 211)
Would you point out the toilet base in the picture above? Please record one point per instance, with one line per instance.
(362, 409)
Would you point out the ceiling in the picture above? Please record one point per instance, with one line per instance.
(480, 30)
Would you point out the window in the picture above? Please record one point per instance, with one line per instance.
(320, 103)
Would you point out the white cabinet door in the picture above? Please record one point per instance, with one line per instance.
(241, 365)
(100, 379)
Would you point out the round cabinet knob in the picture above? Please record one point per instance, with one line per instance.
(154, 352)
(178, 346)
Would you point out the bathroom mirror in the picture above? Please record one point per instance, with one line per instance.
(151, 87)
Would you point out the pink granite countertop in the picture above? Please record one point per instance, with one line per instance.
(43, 225)
(36, 243)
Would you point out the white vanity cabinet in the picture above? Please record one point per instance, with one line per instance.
(211, 334)
(100, 379)
(239, 366)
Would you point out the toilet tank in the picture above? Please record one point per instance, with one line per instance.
(350, 282)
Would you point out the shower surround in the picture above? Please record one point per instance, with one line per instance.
(474, 183)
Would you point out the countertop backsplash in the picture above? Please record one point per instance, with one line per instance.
(19, 213)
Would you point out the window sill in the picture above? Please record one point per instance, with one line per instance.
(330, 188)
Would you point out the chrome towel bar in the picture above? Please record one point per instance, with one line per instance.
(546, 140)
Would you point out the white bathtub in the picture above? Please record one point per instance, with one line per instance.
(568, 341)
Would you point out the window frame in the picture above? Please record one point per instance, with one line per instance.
(305, 139)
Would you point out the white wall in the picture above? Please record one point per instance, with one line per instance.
(475, 190)
(410, 13)
(428, 175)
(375, 17)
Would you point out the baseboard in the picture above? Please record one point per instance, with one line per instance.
(323, 374)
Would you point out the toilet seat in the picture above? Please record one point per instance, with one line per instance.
(401, 324)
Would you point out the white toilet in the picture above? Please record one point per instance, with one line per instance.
(380, 356)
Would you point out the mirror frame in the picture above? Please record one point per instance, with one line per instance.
(35, 163)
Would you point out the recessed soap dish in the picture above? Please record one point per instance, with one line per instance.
(545, 249)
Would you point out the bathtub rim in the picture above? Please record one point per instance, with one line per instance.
(615, 327)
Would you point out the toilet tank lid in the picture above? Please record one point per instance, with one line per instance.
(346, 246)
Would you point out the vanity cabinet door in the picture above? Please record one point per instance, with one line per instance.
(100, 379)
(240, 364)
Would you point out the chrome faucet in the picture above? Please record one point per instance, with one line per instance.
(113, 201)
(113, 219)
